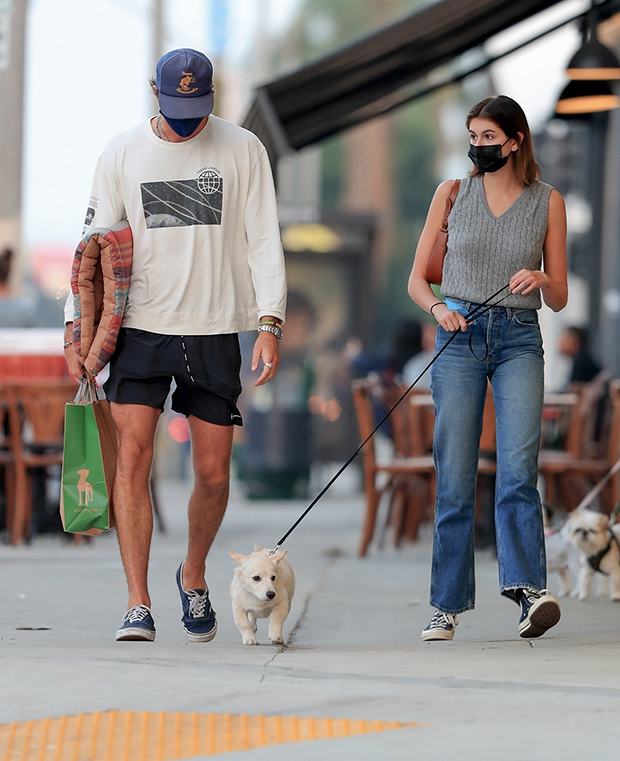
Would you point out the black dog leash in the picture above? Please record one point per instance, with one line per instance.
(480, 310)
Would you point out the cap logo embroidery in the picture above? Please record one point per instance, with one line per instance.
(187, 80)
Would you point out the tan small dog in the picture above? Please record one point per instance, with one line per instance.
(263, 586)
(598, 544)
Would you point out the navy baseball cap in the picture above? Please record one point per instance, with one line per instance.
(185, 82)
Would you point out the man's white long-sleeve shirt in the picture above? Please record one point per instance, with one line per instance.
(207, 251)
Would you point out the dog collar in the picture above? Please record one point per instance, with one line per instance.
(595, 560)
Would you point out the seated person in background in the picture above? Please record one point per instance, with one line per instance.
(14, 312)
(405, 342)
(416, 364)
(573, 343)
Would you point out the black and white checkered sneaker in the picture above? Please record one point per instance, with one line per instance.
(441, 626)
(539, 612)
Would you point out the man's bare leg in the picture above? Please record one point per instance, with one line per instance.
(135, 425)
(211, 452)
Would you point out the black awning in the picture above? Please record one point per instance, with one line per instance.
(375, 74)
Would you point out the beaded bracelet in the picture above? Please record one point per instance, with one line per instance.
(269, 322)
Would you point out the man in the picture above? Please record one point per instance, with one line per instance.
(198, 194)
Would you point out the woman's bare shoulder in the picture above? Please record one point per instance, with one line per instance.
(556, 199)
(557, 207)
(443, 192)
(445, 187)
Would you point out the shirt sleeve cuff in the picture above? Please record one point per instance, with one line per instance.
(69, 308)
(272, 312)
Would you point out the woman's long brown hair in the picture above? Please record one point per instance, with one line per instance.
(510, 118)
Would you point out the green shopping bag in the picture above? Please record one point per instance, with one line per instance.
(88, 465)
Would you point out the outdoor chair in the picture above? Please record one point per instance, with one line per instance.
(570, 474)
(411, 498)
(584, 442)
(36, 418)
(6, 457)
(397, 474)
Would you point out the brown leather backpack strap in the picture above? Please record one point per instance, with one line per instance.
(449, 204)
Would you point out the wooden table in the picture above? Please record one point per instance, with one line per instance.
(32, 353)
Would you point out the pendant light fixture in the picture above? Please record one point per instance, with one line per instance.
(591, 70)
(586, 97)
(593, 60)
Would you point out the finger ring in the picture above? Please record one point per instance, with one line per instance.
(268, 364)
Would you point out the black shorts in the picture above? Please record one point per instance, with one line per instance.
(205, 369)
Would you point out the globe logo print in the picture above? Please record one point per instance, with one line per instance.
(209, 181)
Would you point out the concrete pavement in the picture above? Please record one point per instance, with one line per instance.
(353, 646)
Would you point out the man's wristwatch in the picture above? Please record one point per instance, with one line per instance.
(273, 329)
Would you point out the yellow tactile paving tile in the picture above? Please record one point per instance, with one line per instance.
(147, 736)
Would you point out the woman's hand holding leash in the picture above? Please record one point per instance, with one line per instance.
(448, 319)
(526, 281)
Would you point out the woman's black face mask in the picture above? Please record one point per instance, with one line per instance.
(488, 158)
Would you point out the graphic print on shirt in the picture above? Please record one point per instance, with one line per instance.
(90, 213)
(181, 203)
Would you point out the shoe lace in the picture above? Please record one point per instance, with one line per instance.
(531, 595)
(197, 603)
(439, 618)
(137, 613)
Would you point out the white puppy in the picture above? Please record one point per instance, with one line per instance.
(263, 586)
(597, 543)
(558, 548)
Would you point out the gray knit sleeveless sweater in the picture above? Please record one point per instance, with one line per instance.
(484, 251)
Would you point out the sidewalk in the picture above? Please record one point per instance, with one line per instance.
(354, 648)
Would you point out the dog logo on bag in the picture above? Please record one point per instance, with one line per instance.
(85, 490)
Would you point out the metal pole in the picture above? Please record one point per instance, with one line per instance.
(157, 32)
(610, 292)
(216, 50)
(12, 41)
(596, 178)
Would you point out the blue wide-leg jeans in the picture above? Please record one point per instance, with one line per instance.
(505, 347)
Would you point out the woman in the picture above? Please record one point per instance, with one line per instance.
(504, 224)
